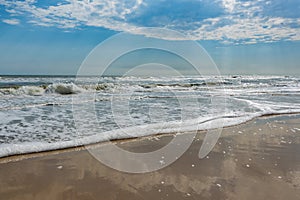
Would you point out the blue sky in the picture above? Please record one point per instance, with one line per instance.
(242, 36)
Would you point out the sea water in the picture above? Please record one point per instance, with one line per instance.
(37, 112)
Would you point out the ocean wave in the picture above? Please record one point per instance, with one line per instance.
(31, 90)
(64, 88)
(40, 87)
(44, 111)
(27, 90)
(202, 123)
(58, 88)
(188, 85)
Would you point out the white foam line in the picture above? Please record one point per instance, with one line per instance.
(152, 129)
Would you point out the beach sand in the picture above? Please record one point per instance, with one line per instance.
(259, 159)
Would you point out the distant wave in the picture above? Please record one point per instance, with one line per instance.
(21, 87)
(71, 88)
(187, 85)
(58, 88)
(65, 88)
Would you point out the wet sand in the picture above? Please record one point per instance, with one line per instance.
(259, 159)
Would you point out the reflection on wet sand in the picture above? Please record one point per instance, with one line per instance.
(256, 160)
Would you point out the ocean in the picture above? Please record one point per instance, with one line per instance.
(37, 112)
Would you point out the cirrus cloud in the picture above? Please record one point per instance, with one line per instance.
(11, 21)
(229, 21)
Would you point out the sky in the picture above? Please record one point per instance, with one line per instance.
(241, 36)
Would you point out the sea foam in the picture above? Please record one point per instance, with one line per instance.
(36, 114)
(203, 123)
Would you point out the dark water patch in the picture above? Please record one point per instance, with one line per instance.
(17, 85)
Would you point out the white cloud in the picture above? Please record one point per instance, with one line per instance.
(243, 21)
(250, 29)
(103, 13)
(229, 5)
(11, 21)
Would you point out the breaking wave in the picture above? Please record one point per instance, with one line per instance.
(58, 88)
(66, 88)
(36, 113)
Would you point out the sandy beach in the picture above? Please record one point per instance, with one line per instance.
(255, 160)
(150, 100)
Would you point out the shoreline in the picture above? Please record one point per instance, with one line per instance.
(21, 156)
(258, 159)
